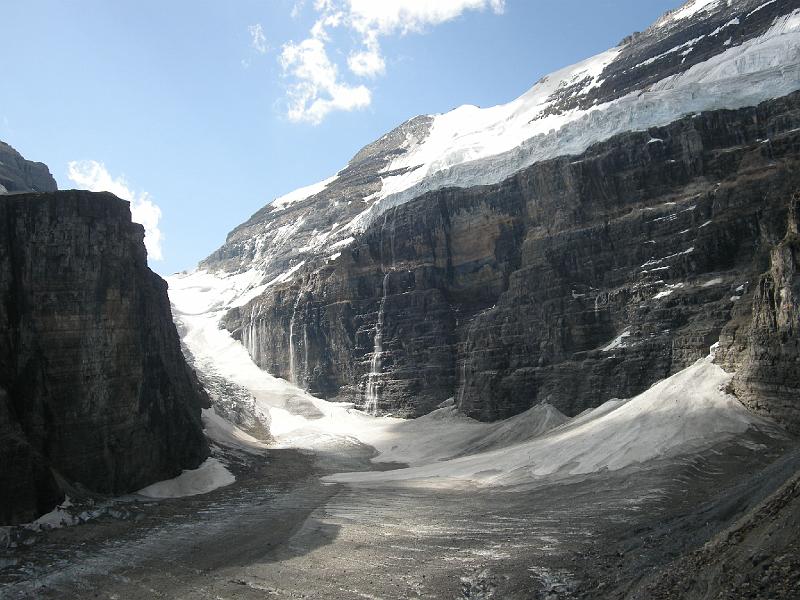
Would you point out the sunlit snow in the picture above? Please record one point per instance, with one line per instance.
(686, 412)
(692, 8)
(301, 193)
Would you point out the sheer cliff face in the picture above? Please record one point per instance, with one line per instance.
(579, 243)
(20, 175)
(762, 341)
(577, 280)
(94, 390)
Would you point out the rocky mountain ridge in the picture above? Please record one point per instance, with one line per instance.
(20, 175)
(577, 280)
(727, 55)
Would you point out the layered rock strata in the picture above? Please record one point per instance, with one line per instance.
(762, 341)
(95, 394)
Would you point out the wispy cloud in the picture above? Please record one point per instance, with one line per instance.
(258, 41)
(93, 176)
(297, 8)
(316, 87)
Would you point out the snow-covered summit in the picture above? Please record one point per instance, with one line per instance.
(570, 110)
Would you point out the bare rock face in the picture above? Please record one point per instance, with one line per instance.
(763, 344)
(94, 391)
(576, 280)
(276, 240)
(20, 175)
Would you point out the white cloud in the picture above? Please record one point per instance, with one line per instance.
(367, 63)
(317, 90)
(93, 176)
(406, 16)
(258, 40)
(297, 8)
(316, 87)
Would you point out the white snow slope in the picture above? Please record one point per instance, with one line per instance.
(198, 302)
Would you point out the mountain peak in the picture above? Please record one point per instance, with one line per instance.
(20, 175)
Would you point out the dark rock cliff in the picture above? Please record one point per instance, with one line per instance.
(20, 175)
(94, 390)
(762, 341)
(576, 280)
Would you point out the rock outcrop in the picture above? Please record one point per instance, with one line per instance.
(762, 342)
(95, 394)
(20, 175)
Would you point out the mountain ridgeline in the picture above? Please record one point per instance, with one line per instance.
(584, 263)
(20, 175)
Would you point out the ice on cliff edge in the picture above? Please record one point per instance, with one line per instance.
(472, 146)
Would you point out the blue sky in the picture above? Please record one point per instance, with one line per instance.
(207, 110)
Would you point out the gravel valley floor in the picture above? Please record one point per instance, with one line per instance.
(279, 532)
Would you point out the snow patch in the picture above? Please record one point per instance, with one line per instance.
(209, 476)
(758, 8)
(692, 8)
(56, 518)
(710, 282)
(619, 341)
(227, 434)
(668, 292)
(342, 243)
(301, 193)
